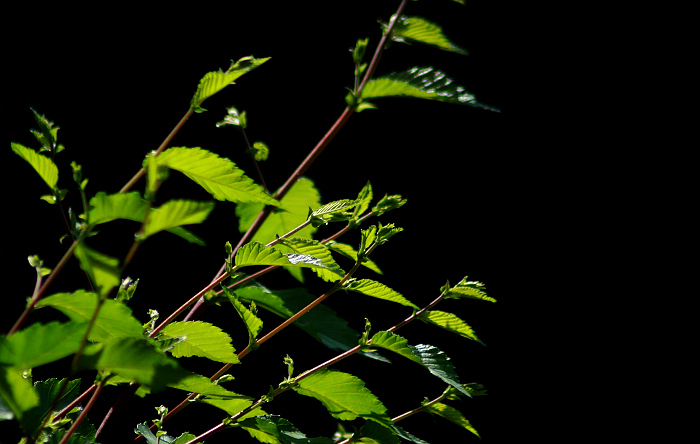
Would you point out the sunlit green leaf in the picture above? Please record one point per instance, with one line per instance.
(437, 362)
(175, 213)
(43, 165)
(424, 83)
(292, 212)
(364, 198)
(103, 270)
(215, 81)
(144, 430)
(114, 320)
(200, 339)
(395, 343)
(378, 290)
(233, 405)
(253, 323)
(17, 394)
(469, 289)
(130, 206)
(331, 271)
(449, 322)
(254, 253)
(418, 29)
(199, 384)
(274, 429)
(218, 176)
(135, 359)
(344, 396)
(452, 414)
(41, 344)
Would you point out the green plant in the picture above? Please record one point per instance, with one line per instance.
(103, 335)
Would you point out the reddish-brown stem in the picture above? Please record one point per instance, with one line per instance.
(75, 402)
(84, 413)
(162, 146)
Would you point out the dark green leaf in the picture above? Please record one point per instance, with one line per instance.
(424, 83)
(253, 323)
(144, 430)
(274, 429)
(48, 391)
(347, 251)
(452, 414)
(373, 433)
(437, 362)
(407, 436)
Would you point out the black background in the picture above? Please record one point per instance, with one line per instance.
(117, 80)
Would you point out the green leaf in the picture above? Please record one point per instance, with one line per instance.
(254, 253)
(347, 251)
(364, 198)
(373, 433)
(331, 271)
(41, 344)
(407, 436)
(175, 213)
(378, 290)
(134, 359)
(218, 176)
(395, 343)
(293, 210)
(437, 363)
(452, 414)
(16, 393)
(344, 396)
(450, 322)
(233, 118)
(418, 29)
(421, 82)
(199, 384)
(469, 289)
(233, 405)
(103, 270)
(274, 429)
(48, 391)
(43, 165)
(253, 323)
(321, 323)
(47, 134)
(338, 206)
(215, 81)
(262, 152)
(130, 206)
(114, 320)
(200, 339)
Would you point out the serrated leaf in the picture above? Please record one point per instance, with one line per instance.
(437, 363)
(200, 339)
(255, 253)
(114, 320)
(218, 176)
(47, 134)
(364, 198)
(368, 287)
(331, 272)
(233, 405)
(338, 206)
(215, 81)
(103, 270)
(274, 429)
(347, 251)
(344, 396)
(450, 322)
(16, 393)
(130, 206)
(43, 165)
(48, 391)
(136, 359)
(423, 83)
(174, 213)
(373, 433)
(452, 414)
(418, 29)
(407, 436)
(321, 323)
(199, 384)
(293, 210)
(395, 343)
(469, 289)
(144, 430)
(253, 323)
(41, 344)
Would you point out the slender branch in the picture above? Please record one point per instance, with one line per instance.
(85, 411)
(162, 146)
(75, 402)
(38, 294)
(255, 162)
